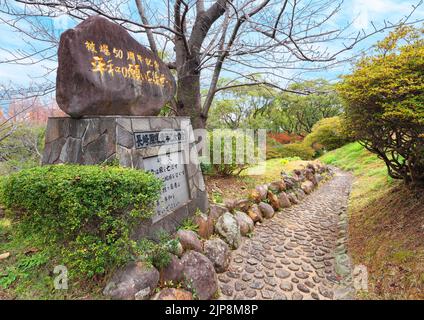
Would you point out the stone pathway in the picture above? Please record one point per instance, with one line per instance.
(292, 255)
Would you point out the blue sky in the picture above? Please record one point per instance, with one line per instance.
(362, 12)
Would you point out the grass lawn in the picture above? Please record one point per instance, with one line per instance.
(28, 271)
(386, 226)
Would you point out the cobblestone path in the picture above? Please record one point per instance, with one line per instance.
(292, 255)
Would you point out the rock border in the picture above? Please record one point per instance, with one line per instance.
(344, 290)
(221, 230)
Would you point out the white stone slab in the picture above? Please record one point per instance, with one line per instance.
(171, 169)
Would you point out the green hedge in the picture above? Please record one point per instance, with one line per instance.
(328, 134)
(88, 210)
(297, 149)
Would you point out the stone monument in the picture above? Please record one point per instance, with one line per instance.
(113, 89)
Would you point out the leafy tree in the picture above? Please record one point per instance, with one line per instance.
(259, 107)
(240, 107)
(23, 148)
(385, 103)
(299, 113)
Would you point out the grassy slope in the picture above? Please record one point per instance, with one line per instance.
(386, 226)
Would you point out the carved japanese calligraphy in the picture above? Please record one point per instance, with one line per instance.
(104, 71)
(158, 138)
(170, 169)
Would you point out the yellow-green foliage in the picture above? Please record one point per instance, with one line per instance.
(385, 103)
(273, 149)
(327, 133)
(298, 149)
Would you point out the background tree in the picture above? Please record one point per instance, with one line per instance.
(302, 112)
(203, 39)
(241, 107)
(258, 107)
(385, 103)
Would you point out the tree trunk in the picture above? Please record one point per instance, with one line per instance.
(189, 102)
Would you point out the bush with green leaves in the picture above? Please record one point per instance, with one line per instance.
(189, 224)
(327, 134)
(89, 211)
(298, 149)
(384, 99)
(157, 253)
(231, 151)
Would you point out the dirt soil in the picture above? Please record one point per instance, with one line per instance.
(394, 253)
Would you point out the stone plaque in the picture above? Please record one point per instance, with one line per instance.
(159, 138)
(104, 71)
(175, 193)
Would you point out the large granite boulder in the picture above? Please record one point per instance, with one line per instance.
(267, 210)
(218, 253)
(172, 272)
(228, 228)
(104, 71)
(284, 200)
(135, 280)
(189, 240)
(200, 274)
(245, 222)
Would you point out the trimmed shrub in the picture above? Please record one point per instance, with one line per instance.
(298, 149)
(89, 210)
(327, 134)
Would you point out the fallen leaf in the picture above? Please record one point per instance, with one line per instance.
(31, 250)
(4, 255)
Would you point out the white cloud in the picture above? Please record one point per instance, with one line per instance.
(366, 11)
